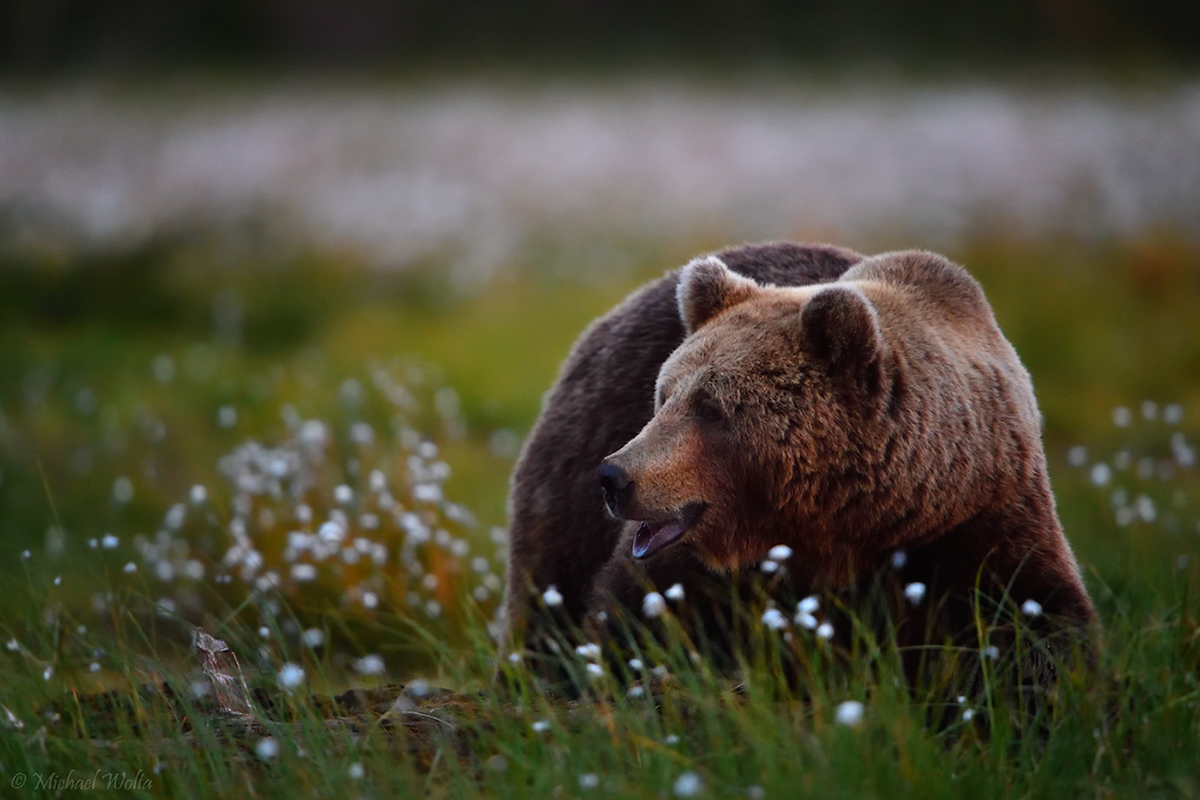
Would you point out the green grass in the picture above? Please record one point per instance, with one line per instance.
(116, 369)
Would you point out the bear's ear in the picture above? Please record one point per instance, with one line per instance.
(842, 330)
(706, 288)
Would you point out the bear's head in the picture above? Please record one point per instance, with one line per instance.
(843, 420)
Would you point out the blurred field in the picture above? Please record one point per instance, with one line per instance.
(473, 173)
(388, 373)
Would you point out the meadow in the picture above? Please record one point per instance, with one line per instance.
(296, 436)
(309, 461)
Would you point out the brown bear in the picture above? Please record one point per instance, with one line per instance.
(559, 532)
(852, 414)
(882, 413)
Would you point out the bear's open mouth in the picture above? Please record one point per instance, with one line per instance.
(652, 536)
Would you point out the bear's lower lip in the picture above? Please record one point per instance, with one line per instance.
(654, 536)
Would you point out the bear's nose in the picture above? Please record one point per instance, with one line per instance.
(616, 487)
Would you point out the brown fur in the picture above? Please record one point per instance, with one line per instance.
(885, 411)
(559, 532)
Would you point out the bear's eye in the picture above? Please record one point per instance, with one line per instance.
(707, 409)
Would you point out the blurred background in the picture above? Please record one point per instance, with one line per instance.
(282, 284)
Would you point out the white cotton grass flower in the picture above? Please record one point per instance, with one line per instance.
(769, 567)
(290, 676)
(514, 658)
(175, 517)
(122, 490)
(331, 532)
(130, 568)
(899, 559)
(671, 739)
(591, 650)
(427, 492)
(303, 573)
(313, 637)
(199, 495)
(552, 597)
(774, 619)
(653, 604)
(362, 433)
(594, 670)
(1101, 474)
(805, 611)
(991, 652)
(540, 726)
(267, 748)
(688, 784)
(636, 691)
(849, 714)
(1145, 508)
(1077, 455)
(1031, 608)
(108, 541)
(780, 552)
(343, 494)
(968, 714)
(675, 592)
(635, 664)
(355, 771)
(589, 780)
(806, 620)
(370, 665)
(825, 630)
(915, 593)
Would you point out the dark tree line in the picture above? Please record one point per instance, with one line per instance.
(63, 34)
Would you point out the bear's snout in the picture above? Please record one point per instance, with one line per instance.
(617, 488)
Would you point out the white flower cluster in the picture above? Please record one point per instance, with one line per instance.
(328, 513)
(805, 617)
(775, 559)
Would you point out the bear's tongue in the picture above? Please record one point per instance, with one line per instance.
(653, 536)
